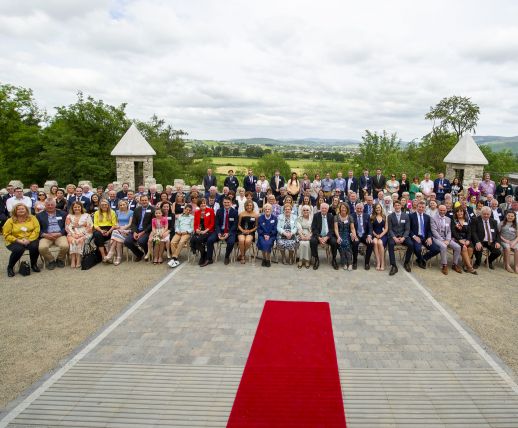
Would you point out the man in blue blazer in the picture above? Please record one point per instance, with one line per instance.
(78, 196)
(226, 230)
(52, 232)
(276, 182)
(363, 227)
(365, 184)
(249, 181)
(421, 235)
(441, 186)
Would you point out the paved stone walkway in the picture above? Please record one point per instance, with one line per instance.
(177, 360)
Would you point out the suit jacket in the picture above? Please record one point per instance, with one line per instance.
(153, 198)
(316, 225)
(232, 183)
(132, 205)
(354, 184)
(403, 187)
(259, 199)
(378, 184)
(209, 219)
(43, 219)
(445, 184)
(401, 228)
(114, 204)
(149, 213)
(365, 182)
(249, 183)
(414, 226)
(232, 221)
(440, 231)
(478, 232)
(121, 194)
(282, 181)
(84, 200)
(209, 181)
(500, 214)
(367, 225)
(504, 207)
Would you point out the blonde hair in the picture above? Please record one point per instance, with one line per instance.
(14, 216)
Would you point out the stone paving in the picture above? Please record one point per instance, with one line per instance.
(383, 327)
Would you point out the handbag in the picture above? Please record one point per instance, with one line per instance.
(91, 256)
(25, 269)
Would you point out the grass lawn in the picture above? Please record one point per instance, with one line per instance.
(240, 165)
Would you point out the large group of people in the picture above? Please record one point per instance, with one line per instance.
(294, 217)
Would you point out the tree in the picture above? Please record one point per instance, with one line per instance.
(432, 150)
(20, 136)
(501, 163)
(269, 163)
(380, 151)
(455, 113)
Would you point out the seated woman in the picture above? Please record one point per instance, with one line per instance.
(167, 211)
(246, 226)
(287, 235)
(21, 232)
(179, 204)
(333, 207)
(105, 221)
(304, 235)
(267, 233)
(344, 227)
(53, 192)
(159, 236)
(379, 235)
(293, 186)
(509, 238)
(461, 234)
(240, 199)
(93, 207)
(321, 200)
(288, 200)
(79, 228)
(195, 202)
(276, 208)
(432, 210)
(184, 226)
(250, 197)
(61, 201)
(204, 224)
(124, 215)
(164, 197)
(478, 208)
(39, 205)
(473, 190)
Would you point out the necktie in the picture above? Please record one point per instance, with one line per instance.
(324, 227)
(421, 225)
(142, 218)
(360, 226)
(226, 222)
(488, 233)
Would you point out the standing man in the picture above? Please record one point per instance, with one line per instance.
(365, 184)
(140, 228)
(52, 232)
(398, 234)
(363, 228)
(426, 186)
(33, 193)
(250, 181)
(378, 182)
(351, 183)
(328, 185)
(441, 232)
(276, 182)
(421, 235)
(441, 186)
(226, 230)
(340, 184)
(231, 181)
(259, 196)
(208, 181)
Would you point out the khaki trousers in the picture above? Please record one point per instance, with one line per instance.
(178, 243)
(45, 244)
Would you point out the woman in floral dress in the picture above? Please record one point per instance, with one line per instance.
(79, 229)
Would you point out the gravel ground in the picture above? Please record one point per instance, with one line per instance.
(487, 303)
(45, 316)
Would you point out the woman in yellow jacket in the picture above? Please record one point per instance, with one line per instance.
(21, 232)
(105, 221)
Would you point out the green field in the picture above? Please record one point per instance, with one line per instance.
(240, 164)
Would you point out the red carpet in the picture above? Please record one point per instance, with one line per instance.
(291, 376)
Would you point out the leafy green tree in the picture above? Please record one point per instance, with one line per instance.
(269, 163)
(501, 163)
(380, 151)
(79, 140)
(432, 150)
(322, 167)
(455, 113)
(20, 136)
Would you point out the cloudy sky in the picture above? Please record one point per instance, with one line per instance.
(285, 69)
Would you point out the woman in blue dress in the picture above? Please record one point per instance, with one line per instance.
(124, 215)
(267, 232)
(379, 235)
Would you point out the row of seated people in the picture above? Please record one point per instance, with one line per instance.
(149, 230)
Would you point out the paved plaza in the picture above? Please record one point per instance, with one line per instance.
(176, 357)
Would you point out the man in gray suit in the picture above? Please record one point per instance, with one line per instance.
(398, 231)
(441, 233)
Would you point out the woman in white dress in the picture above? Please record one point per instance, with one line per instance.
(304, 233)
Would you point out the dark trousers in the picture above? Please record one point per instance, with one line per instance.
(313, 244)
(368, 251)
(409, 247)
(139, 247)
(494, 253)
(17, 251)
(99, 238)
(198, 243)
(433, 249)
(213, 238)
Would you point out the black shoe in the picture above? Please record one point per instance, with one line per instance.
(35, 268)
(421, 263)
(491, 266)
(51, 265)
(367, 266)
(316, 264)
(10, 272)
(138, 258)
(476, 266)
(60, 263)
(227, 261)
(263, 263)
(205, 263)
(268, 263)
(393, 270)
(355, 266)
(334, 264)
(407, 267)
(202, 261)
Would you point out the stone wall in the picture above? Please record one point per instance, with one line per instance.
(126, 170)
(471, 172)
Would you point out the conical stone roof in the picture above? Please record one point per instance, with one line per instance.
(467, 152)
(133, 143)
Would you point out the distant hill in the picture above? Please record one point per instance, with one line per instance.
(498, 143)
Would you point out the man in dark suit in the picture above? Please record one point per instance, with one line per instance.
(123, 193)
(132, 202)
(363, 228)
(208, 181)
(153, 195)
(441, 186)
(78, 196)
(113, 201)
(3, 213)
(226, 230)
(258, 196)
(33, 193)
(140, 228)
(378, 182)
(365, 184)
(322, 233)
(276, 182)
(484, 234)
(52, 232)
(398, 234)
(421, 235)
(249, 181)
(231, 181)
(352, 201)
(351, 183)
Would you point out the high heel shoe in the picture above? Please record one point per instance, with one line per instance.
(117, 261)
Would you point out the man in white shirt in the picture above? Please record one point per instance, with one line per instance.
(426, 186)
(18, 198)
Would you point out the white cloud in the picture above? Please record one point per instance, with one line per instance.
(273, 69)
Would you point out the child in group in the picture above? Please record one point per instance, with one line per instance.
(158, 238)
